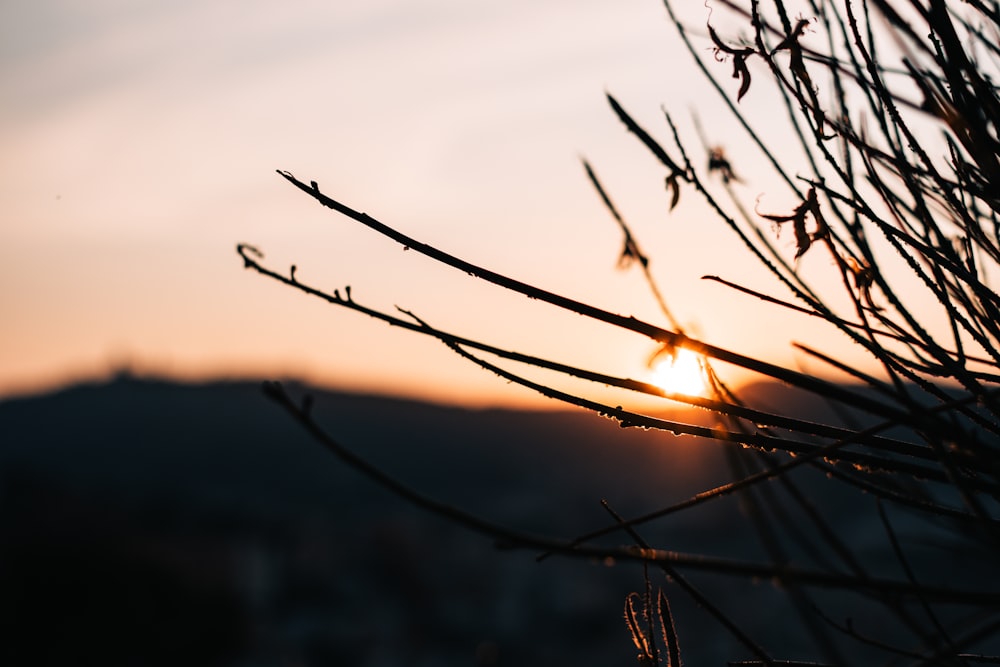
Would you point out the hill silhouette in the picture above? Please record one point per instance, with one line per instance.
(149, 522)
(143, 512)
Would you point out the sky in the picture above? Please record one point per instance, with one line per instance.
(141, 140)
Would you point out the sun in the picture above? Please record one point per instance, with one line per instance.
(680, 373)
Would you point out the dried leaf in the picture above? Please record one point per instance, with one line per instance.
(674, 188)
(822, 229)
(740, 70)
(717, 161)
(803, 239)
(669, 631)
(797, 65)
(864, 278)
(632, 621)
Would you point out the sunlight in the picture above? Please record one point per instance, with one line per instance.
(681, 373)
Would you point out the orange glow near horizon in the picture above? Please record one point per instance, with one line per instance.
(141, 143)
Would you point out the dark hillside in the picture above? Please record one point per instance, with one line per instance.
(147, 522)
(162, 523)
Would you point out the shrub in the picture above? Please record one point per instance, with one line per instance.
(890, 150)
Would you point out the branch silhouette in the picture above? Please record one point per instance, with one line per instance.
(889, 153)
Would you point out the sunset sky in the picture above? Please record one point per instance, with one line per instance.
(141, 140)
